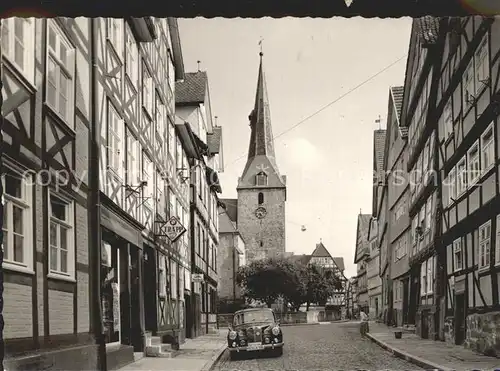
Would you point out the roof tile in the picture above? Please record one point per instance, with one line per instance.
(192, 89)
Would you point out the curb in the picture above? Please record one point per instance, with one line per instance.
(428, 365)
(209, 366)
(298, 324)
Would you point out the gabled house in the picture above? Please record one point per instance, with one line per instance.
(394, 180)
(373, 262)
(194, 121)
(417, 113)
(397, 219)
(361, 254)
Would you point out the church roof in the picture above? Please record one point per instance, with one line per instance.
(192, 89)
(261, 155)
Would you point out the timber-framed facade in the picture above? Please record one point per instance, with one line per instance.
(468, 109)
(142, 272)
(46, 115)
(195, 124)
(418, 115)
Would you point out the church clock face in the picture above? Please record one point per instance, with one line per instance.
(260, 212)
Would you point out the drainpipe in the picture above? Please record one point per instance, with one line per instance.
(94, 207)
(2, 349)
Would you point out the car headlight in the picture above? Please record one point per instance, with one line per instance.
(232, 335)
(276, 331)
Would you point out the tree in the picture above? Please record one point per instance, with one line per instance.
(266, 280)
(321, 284)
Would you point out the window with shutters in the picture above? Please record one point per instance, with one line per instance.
(484, 245)
(115, 141)
(18, 44)
(261, 179)
(17, 220)
(458, 255)
(61, 237)
(482, 66)
(461, 177)
(474, 166)
(448, 120)
(487, 149)
(60, 78)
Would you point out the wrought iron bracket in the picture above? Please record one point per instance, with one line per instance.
(160, 224)
(134, 189)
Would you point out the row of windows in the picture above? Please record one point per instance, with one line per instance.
(18, 243)
(483, 248)
(480, 158)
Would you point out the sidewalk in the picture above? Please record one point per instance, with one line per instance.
(198, 354)
(430, 354)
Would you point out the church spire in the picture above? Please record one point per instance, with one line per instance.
(261, 141)
(261, 156)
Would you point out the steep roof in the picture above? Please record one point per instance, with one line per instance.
(226, 225)
(378, 149)
(231, 208)
(320, 251)
(193, 89)
(361, 231)
(214, 140)
(397, 98)
(339, 262)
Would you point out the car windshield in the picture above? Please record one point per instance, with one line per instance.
(253, 316)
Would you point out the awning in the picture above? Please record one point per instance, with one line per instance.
(213, 180)
(189, 141)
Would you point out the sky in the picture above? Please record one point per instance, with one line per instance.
(308, 64)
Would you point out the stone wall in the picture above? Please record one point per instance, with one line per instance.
(449, 330)
(483, 333)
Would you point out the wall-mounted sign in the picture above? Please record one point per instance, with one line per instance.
(172, 228)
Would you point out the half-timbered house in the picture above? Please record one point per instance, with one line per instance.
(194, 119)
(336, 304)
(468, 143)
(417, 115)
(397, 210)
(361, 254)
(46, 113)
(137, 63)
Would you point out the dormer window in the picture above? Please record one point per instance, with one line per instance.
(261, 179)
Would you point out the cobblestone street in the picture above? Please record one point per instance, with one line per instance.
(322, 347)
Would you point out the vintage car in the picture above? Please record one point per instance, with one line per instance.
(255, 329)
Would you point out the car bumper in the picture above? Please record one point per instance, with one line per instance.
(264, 347)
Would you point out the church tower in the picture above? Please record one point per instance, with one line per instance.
(261, 188)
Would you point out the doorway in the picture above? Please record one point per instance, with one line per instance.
(149, 287)
(460, 318)
(424, 321)
(189, 316)
(406, 285)
(414, 297)
(135, 310)
(110, 296)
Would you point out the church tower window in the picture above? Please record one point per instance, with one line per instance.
(261, 198)
(261, 179)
